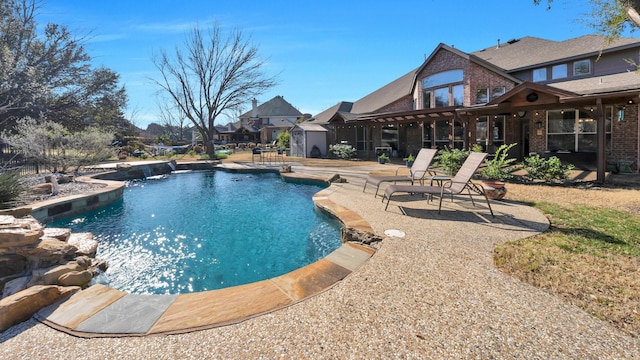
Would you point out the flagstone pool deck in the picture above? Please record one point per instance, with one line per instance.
(434, 293)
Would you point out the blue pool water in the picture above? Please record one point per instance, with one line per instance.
(206, 230)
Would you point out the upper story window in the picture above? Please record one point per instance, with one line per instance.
(540, 74)
(559, 71)
(443, 89)
(445, 77)
(498, 91)
(482, 96)
(582, 67)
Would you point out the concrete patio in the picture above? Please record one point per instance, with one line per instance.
(434, 293)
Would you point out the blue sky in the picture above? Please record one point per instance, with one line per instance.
(323, 52)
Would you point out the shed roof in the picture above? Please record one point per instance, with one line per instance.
(308, 126)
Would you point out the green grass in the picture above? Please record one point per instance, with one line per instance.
(596, 231)
(589, 256)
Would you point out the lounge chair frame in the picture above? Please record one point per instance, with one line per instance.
(419, 171)
(458, 184)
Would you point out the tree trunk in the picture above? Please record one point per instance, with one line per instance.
(633, 16)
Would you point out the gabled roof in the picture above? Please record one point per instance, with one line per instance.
(543, 94)
(308, 126)
(472, 58)
(326, 115)
(277, 106)
(518, 54)
(386, 95)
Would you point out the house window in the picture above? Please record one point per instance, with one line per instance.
(445, 77)
(497, 130)
(427, 135)
(482, 96)
(457, 93)
(559, 71)
(442, 131)
(498, 91)
(390, 136)
(482, 134)
(575, 130)
(490, 132)
(540, 74)
(441, 97)
(447, 89)
(426, 99)
(361, 139)
(582, 67)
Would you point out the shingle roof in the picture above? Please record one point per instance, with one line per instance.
(531, 51)
(277, 106)
(308, 126)
(601, 84)
(386, 95)
(324, 116)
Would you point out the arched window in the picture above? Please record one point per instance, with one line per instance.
(443, 89)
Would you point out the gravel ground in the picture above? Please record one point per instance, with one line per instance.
(66, 189)
(434, 294)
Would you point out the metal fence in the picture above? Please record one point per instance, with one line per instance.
(10, 159)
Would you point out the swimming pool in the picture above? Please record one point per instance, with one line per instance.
(205, 230)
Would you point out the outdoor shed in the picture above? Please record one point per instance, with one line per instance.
(309, 140)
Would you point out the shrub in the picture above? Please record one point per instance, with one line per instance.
(283, 139)
(499, 167)
(50, 144)
(10, 189)
(450, 160)
(477, 148)
(539, 168)
(342, 151)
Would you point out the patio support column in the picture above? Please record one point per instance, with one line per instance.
(601, 142)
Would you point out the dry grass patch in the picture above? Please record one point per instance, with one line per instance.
(590, 256)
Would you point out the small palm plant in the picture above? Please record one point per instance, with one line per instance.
(499, 168)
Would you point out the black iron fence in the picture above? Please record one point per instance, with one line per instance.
(11, 160)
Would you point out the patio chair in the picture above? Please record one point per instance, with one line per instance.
(256, 151)
(418, 171)
(459, 183)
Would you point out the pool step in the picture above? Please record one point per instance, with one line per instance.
(100, 311)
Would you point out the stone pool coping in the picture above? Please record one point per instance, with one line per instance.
(100, 311)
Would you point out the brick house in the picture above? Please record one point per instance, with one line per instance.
(262, 123)
(577, 99)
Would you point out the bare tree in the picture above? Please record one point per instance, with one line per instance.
(213, 74)
(171, 117)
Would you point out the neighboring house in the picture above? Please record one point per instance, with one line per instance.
(576, 98)
(262, 123)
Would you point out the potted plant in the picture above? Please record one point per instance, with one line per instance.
(496, 171)
(409, 160)
(383, 158)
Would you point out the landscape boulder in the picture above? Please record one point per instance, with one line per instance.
(84, 242)
(22, 305)
(47, 252)
(61, 234)
(76, 278)
(50, 275)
